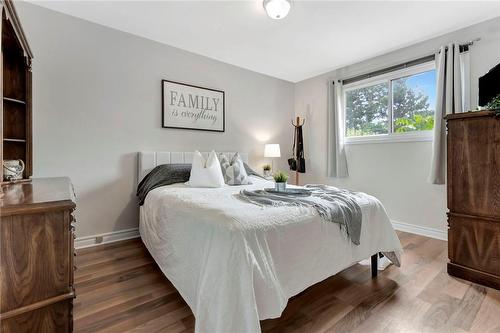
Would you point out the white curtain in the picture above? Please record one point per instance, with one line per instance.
(465, 79)
(448, 100)
(337, 161)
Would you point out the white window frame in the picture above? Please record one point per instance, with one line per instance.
(386, 78)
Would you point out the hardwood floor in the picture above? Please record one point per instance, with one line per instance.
(120, 289)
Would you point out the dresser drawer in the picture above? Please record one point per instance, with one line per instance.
(54, 318)
(474, 242)
(35, 258)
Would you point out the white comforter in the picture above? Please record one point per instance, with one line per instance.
(236, 263)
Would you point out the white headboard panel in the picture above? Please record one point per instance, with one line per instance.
(148, 160)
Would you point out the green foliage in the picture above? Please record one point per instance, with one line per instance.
(267, 167)
(280, 177)
(494, 103)
(418, 122)
(407, 102)
(367, 109)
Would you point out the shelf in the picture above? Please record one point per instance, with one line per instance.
(14, 140)
(13, 100)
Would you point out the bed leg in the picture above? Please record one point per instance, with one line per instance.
(374, 265)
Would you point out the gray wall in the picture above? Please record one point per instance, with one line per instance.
(97, 101)
(394, 172)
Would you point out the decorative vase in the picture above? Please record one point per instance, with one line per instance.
(267, 173)
(280, 187)
(13, 169)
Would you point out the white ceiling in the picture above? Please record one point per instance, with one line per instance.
(314, 38)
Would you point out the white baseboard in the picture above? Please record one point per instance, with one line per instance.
(106, 238)
(419, 230)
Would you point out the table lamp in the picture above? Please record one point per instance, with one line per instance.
(272, 150)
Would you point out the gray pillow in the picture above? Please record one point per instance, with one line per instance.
(234, 171)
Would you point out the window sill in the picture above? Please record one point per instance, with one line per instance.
(426, 136)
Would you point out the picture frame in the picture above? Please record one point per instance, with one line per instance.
(191, 107)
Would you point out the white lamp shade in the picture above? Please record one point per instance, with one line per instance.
(272, 150)
(277, 9)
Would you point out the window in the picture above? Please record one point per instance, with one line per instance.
(398, 106)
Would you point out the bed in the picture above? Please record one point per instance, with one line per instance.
(236, 263)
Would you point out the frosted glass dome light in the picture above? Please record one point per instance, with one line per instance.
(277, 9)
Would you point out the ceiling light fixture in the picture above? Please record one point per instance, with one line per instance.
(277, 9)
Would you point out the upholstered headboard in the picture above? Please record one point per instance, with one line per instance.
(148, 160)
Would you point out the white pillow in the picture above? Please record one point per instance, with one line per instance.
(206, 173)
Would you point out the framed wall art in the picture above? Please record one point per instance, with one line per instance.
(186, 106)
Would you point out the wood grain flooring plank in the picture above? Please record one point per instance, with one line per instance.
(109, 289)
(134, 310)
(439, 314)
(169, 312)
(126, 254)
(170, 322)
(108, 300)
(468, 307)
(93, 272)
(133, 274)
(110, 246)
(487, 318)
(363, 310)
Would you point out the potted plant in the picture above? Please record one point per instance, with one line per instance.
(267, 170)
(494, 104)
(280, 178)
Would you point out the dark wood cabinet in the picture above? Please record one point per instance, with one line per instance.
(474, 197)
(37, 237)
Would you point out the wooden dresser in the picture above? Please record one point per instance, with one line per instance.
(474, 197)
(37, 236)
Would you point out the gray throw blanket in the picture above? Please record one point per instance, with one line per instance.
(165, 174)
(333, 205)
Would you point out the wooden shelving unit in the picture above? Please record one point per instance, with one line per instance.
(16, 112)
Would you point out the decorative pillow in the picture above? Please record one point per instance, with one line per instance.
(206, 173)
(234, 171)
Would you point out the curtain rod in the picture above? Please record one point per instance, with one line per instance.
(471, 42)
(464, 47)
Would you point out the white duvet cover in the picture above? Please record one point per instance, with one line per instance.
(236, 263)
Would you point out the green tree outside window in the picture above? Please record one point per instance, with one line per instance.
(367, 109)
